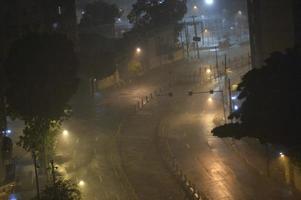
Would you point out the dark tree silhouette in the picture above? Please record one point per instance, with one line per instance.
(151, 17)
(157, 13)
(41, 71)
(97, 56)
(100, 13)
(271, 109)
(63, 190)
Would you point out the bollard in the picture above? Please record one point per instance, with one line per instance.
(151, 95)
(146, 99)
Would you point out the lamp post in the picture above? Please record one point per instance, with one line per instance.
(36, 173)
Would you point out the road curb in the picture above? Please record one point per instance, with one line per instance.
(172, 165)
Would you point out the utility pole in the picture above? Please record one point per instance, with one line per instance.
(52, 171)
(196, 36)
(216, 66)
(202, 31)
(225, 81)
(3, 123)
(36, 174)
(54, 178)
(187, 39)
(230, 96)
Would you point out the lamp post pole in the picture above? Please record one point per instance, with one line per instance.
(36, 174)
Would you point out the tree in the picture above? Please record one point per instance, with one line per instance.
(97, 56)
(156, 20)
(100, 13)
(271, 97)
(157, 13)
(41, 70)
(62, 190)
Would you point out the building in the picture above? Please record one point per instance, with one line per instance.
(274, 26)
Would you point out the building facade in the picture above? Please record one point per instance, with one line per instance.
(274, 26)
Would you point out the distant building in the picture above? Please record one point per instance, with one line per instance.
(20, 17)
(275, 25)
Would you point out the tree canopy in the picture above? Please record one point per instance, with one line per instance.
(63, 190)
(157, 13)
(97, 55)
(100, 13)
(271, 96)
(41, 71)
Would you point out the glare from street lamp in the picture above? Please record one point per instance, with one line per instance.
(240, 12)
(281, 154)
(208, 71)
(206, 30)
(81, 183)
(195, 7)
(210, 99)
(209, 2)
(138, 50)
(65, 133)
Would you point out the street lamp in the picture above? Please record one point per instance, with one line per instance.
(239, 12)
(138, 50)
(195, 7)
(209, 2)
(65, 133)
(81, 183)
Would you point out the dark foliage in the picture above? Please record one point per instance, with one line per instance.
(97, 55)
(271, 108)
(41, 71)
(157, 13)
(100, 13)
(63, 190)
(151, 17)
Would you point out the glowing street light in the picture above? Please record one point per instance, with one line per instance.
(281, 154)
(235, 107)
(138, 50)
(208, 71)
(210, 99)
(81, 183)
(65, 133)
(239, 12)
(209, 2)
(195, 7)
